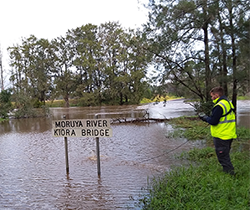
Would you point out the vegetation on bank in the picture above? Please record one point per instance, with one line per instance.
(26, 107)
(202, 184)
(75, 102)
(243, 98)
(33, 108)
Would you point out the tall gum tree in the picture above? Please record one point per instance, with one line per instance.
(175, 31)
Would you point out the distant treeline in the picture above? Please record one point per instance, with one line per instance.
(104, 64)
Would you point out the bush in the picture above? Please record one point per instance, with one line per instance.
(88, 99)
(5, 103)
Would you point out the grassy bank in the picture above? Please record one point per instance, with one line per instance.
(201, 184)
(2, 120)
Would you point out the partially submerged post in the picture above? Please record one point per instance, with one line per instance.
(66, 154)
(66, 151)
(98, 153)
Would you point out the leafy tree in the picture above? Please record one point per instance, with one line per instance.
(111, 37)
(243, 67)
(139, 59)
(64, 79)
(32, 65)
(227, 28)
(176, 30)
(125, 61)
(87, 61)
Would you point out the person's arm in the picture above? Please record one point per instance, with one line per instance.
(216, 115)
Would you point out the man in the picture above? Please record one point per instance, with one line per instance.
(223, 127)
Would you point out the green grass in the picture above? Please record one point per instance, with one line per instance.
(243, 98)
(202, 187)
(202, 184)
(2, 120)
(191, 128)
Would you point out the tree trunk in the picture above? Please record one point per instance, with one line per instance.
(234, 96)
(66, 99)
(121, 98)
(224, 59)
(207, 60)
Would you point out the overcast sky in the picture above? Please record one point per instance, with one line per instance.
(53, 18)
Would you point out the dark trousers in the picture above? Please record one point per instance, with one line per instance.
(222, 149)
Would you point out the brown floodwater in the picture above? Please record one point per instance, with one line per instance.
(32, 161)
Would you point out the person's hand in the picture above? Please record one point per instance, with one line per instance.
(203, 117)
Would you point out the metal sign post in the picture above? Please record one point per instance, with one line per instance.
(66, 154)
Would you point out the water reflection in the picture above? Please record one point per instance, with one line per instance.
(243, 113)
(32, 162)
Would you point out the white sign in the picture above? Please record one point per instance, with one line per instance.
(82, 128)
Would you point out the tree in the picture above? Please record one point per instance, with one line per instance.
(111, 39)
(88, 62)
(243, 67)
(230, 16)
(175, 30)
(125, 61)
(31, 67)
(138, 64)
(64, 81)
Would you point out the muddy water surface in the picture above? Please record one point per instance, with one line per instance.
(32, 161)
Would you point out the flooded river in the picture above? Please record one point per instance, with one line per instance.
(32, 161)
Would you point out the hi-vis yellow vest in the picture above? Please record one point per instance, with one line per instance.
(226, 128)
